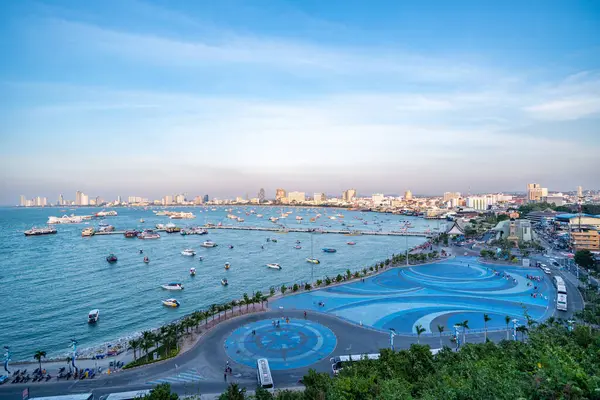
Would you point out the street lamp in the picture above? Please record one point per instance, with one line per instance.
(570, 326)
(74, 347)
(515, 325)
(457, 336)
(6, 358)
(392, 334)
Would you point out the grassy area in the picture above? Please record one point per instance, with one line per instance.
(148, 358)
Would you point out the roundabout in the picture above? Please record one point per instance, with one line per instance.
(294, 343)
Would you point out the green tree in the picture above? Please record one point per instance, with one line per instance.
(522, 329)
(295, 287)
(441, 330)
(234, 392)
(161, 392)
(246, 300)
(507, 321)
(585, 259)
(135, 344)
(271, 291)
(283, 289)
(38, 356)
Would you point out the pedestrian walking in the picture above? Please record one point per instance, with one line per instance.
(304, 314)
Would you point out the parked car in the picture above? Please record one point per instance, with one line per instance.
(3, 379)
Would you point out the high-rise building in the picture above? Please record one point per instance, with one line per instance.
(99, 200)
(134, 199)
(408, 195)
(279, 194)
(180, 199)
(84, 199)
(377, 199)
(579, 192)
(167, 200)
(198, 200)
(78, 198)
(61, 200)
(319, 198)
(451, 195)
(535, 192)
(261, 195)
(349, 195)
(22, 201)
(297, 197)
(119, 199)
(206, 198)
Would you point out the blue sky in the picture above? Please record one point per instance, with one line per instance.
(154, 97)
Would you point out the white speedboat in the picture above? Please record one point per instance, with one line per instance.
(93, 316)
(188, 252)
(274, 266)
(171, 303)
(209, 243)
(224, 282)
(173, 286)
(192, 271)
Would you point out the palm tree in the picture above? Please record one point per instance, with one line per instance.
(234, 392)
(156, 338)
(271, 291)
(419, 328)
(213, 310)
(205, 315)
(135, 344)
(147, 341)
(486, 319)
(283, 289)
(440, 330)
(233, 303)
(507, 321)
(246, 300)
(258, 297)
(38, 356)
(523, 329)
(465, 326)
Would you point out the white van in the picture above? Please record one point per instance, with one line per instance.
(263, 374)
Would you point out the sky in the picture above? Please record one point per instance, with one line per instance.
(149, 98)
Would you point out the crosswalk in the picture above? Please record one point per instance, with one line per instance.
(188, 376)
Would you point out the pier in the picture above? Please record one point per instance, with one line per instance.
(297, 230)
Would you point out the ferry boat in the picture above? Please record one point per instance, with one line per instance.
(192, 271)
(181, 215)
(328, 250)
(313, 261)
(103, 213)
(93, 316)
(274, 266)
(171, 303)
(130, 234)
(227, 265)
(148, 234)
(40, 231)
(88, 232)
(209, 244)
(111, 258)
(173, 286)
(188, 252)
(66, 219)
(224, 282)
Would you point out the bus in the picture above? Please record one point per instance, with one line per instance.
(131, 395)
(263, 375)
(79, 396)
(339, 362)
(560, 285)
(561, 302)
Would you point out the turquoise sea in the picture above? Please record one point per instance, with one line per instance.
(49, 283)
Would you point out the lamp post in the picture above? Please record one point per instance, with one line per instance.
(515, 325)
(570, 325)
(457, 336)
(74, 347)
(406, 233)
(392, 334)
(6, 358)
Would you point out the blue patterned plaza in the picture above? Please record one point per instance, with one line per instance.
(294, 344)
(443, 293)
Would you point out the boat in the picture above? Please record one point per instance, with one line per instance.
(274, 240)
(171, 303)
(88, 232)
(224, 282)
(146, 260)
(111, 258)
(172, 229)
(274, 266)
(209, 244)
(173, 286)
(328, 250)
(102, 224)
(351, 243)
(142, 220)
(93, 316)
(297, 247)
(148, 234)
(130, 234)
(40, 231)
(227, 265)
(188, 252)
(312, 258)
(192, 271)
(66, 219)
(106, 213)
(299, 218)
(107, 228)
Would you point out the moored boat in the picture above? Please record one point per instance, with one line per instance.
(40, 231)
(88, 232)
(130, 234)
(173, 286)
(227, 265)
(274, 266)
(351, 243)
(224, 282)
(148, 234)
(111, 258)
(188, 252)
(329, 250)
(192, 271)
(171, 303)
(313, 260)
(146, 260)
(209, 243)
(107, 228)
(93, 316)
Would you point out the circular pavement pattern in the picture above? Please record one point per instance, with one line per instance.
(296, 344)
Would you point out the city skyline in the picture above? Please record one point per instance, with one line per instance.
(144, 97)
